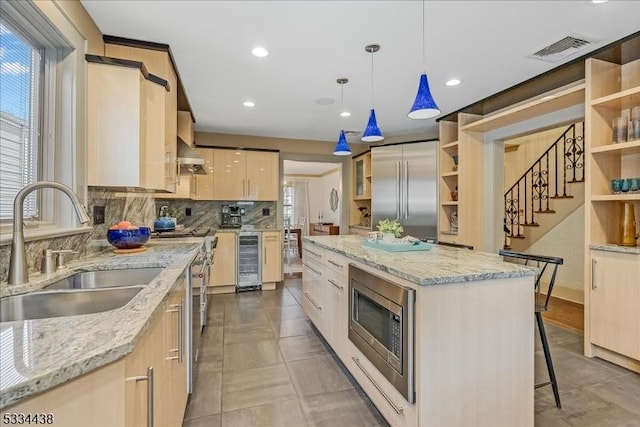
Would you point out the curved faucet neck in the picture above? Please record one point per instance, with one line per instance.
(18, 271)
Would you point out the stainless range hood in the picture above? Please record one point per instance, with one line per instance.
(189, 160)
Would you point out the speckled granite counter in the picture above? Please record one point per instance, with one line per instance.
(437, 266)
(39, 354)
(634, 250)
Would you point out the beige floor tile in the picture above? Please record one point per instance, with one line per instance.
(251, 355)
(285, 313)
(240, 332)
(244, 315)
(252, 387)
(342, 408)
(318, 375)
(284, 413)
(302, 347)
(291, 328)
(209, 421)
(207, 396)
(280, 299)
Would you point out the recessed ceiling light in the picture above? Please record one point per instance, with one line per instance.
(248, 104)
(345, 114)
(453, 82)
(599, 1)
(260, 52)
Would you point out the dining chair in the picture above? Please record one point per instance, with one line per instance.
(542, 305)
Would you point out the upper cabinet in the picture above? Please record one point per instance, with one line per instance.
(245, 175)
(126, 133)
(159, 64)
(202, 185)
(362, 177)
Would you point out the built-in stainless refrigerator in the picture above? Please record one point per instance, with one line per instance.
(404, 187)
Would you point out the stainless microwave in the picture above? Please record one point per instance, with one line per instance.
(381, 325)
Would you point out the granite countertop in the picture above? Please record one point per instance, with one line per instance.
(39, 354)
(437, 266)
(635, 250)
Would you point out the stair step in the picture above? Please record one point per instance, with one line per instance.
(573, 181)
(521, 236)
(561, 197)
(548, 211)
(531, 224)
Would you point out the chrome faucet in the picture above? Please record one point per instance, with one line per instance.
(18, 271)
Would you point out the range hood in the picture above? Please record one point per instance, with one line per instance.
(189, 160)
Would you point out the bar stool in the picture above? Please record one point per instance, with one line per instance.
(542, 305)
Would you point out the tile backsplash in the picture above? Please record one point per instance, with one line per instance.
(141, 208)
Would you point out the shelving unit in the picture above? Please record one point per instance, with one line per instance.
(466, 178)
(361, 188)
(611, 328)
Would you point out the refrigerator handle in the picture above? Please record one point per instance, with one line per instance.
(406, 189)
(398, 191)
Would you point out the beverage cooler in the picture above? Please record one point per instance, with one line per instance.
(249, 260)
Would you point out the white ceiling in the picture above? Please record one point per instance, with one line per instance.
(483, 43)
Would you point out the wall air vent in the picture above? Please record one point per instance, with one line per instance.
(562, 48)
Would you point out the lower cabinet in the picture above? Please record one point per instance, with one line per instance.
(615, 302)
(271, 259)
(147, 387)
(223, 271)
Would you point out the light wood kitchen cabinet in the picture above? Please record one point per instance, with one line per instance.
(245, 175)
(615, 302)
(271, 258)
(125, 147)
(202, 185)
(119, 393)
(185, 182)
(223, 271)
(174, 395)
(158, 63)
(185, 127)
(612, 295)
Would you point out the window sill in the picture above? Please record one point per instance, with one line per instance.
(33, 234)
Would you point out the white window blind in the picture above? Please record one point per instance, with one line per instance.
(20, 103)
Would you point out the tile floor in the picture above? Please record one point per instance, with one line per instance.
(262, 364)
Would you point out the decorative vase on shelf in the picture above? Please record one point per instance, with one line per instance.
(388, 237)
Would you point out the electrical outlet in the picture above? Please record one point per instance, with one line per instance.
(98, 215)
(266, 212)
(187, 212)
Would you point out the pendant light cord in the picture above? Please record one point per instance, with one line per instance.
(424, 67)
(372, 52)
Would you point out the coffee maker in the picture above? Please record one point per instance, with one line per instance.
(231, 217)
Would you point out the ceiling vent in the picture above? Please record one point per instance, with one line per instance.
(351, 132)
(562, 48)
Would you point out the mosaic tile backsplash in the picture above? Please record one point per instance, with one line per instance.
(141, 208)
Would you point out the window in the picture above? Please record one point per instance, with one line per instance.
(20, 103)
(43, 93)
(287, 203)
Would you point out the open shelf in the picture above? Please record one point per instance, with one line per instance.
(452, 173)
(628, 197)
(622, 148)
(450, 145)
(619, 100)
(449, 203)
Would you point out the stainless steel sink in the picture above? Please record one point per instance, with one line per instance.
(41, 305)
(107, 278)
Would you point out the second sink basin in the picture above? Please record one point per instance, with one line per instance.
(41, 305)
(107, 278)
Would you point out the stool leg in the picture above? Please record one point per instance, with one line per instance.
(547, 357)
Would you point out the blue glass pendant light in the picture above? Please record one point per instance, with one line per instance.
(342, 147)
(372, 132)
(424, 106)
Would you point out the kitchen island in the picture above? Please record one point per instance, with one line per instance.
(50, 365)
(473, 330)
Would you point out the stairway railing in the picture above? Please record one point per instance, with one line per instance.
(548, 175)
